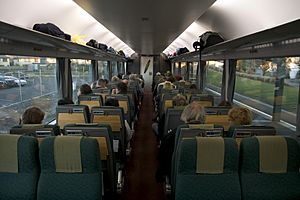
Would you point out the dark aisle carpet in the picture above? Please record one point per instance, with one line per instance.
(140, 183)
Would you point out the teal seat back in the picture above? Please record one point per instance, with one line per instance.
(20, 185)
(103, 134)
(86, 184)
(90, 100)
(70, 114)
(36, 130)
(172, 119)
(241, 131)
(257, 185)
(191, 185)
(114, 116)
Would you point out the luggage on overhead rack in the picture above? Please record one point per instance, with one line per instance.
(121, 53)
(180, 51)
(102, 46)
(92, 43)
(207, 39)
(112, 50)
(51, 29)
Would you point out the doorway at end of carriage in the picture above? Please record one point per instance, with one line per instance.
(146, 69)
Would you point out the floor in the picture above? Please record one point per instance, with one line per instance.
(140, 170)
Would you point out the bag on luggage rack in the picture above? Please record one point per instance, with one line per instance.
(180, 51)
(51, 29)
(102, 46)
(92, 43)
(112, 50)
(121, 53)
(207, 39)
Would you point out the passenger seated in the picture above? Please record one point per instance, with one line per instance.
(192, 114)
(64, 101)
(111, 102)
(32, 115)
(101, 83)
(129, 131)
(158, 127)
(238, 116)
(85, 89)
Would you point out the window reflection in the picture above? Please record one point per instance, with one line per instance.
(255, 84)
(214, 70)
(81, 74)
(24, 82)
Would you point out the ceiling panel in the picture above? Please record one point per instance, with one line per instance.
(147, 26)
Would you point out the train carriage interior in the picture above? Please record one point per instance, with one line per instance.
(154, 100)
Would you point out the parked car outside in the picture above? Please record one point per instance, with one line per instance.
(18, 82)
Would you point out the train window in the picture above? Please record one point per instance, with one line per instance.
(183, 70)
(103, 70)
(214, 70)
(256, 81)
(193, 72)
(121, 68)
(176, 69)
(24, 82)
(114, 68)
(81, 74)
(291, 72)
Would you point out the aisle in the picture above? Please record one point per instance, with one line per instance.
(140, 180)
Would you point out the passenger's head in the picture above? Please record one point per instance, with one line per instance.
(115, 78)
(193, 112)
(179, 100)
(167, 85)
(125, 81)
(224, 103)
(33, 115)
(240, 116)
(65, 101)
(121, 88)
(120, 76)
(94, 85)
(84, 89)
(101, 83)
(112, 102)
(178, 78)
(193, 86)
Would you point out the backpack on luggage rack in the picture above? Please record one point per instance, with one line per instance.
(207, 39)
(51, 29)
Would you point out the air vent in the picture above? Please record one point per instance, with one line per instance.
(144, 19)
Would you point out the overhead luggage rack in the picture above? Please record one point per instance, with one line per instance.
(15, 40)
(280, 41)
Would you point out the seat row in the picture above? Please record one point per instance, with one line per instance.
(111, 150)
(264, 168)
(59, 168)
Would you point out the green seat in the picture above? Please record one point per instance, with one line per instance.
(103, 134)
(70, 114)
(245, 130)
(90, 100)
(190, 131)
(257, 185)
(172, 119)
(213, 186)
(70, 169)
(127, 104)
(36, 130)
(114, 116)
(191, 185)
(19, 167)
(205, 100)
